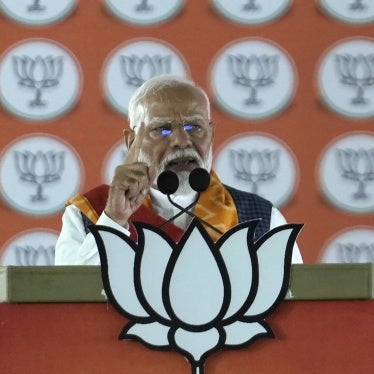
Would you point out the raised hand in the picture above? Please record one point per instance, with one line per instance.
(131, 183)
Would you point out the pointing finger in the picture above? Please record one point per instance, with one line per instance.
(135, 148)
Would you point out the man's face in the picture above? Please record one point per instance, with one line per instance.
(178, 134)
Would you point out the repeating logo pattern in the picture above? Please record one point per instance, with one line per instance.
(39, 173)
(37, 12)
(350, 11)
(132, 63)
(251, 11)
(250, 78)
(353, 245)
(346, 78)
(253, 78)
(144, 12)
(115, 157)
(346, 172)
(39, 79)
(259, 164)
(30, 248)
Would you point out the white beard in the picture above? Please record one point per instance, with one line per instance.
(183, 176)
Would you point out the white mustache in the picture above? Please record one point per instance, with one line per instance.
(181, 153)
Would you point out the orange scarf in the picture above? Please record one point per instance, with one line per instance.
(215, 206)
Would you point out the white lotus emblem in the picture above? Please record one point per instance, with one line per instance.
(196, 297)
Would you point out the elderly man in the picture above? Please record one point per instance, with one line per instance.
(170, 129)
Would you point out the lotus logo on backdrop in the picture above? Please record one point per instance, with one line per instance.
(353, 245)
(346, 78)
(114, 157)
(253, 78)
(259, 164)
(350, 11)
(346, 172)
(30, 248)
(39, 173)
(144, 12)
(132, 63)
(39, 80)
(196, 297)
(37, 12)
(251, 11)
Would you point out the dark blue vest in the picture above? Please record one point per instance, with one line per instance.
(250, 206)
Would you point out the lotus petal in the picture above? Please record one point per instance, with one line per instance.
(154, 259)
(240, 333)
(274, 254)
(196, 290)
(153, 333)
(117, 262)
(238, 263)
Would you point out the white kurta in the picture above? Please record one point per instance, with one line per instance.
(75, 247)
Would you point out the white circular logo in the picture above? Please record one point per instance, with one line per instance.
(251, 11)
(144, 12)
(37, 12)
(30, 248)
(259, 164)
(346, 78)
(253, 78)
(350, 11)
(355, 244)
(39, 173)
(39, 79)
(132, 63)
(115, 157)
(346, 172)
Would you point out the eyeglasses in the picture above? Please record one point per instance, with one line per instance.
(193, 129)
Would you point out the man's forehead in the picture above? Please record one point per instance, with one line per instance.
(173, 108)
(171, 118)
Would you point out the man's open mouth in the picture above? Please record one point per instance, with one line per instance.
(182, 164)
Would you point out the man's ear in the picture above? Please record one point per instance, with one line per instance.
(213, 126)
(129, 136)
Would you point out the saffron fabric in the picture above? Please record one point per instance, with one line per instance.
(77, 246)
(215, 206)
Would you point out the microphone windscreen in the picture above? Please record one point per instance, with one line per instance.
(199, 179)
(168, 182)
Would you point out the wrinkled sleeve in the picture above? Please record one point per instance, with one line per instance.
(277, 219)
(74, 246)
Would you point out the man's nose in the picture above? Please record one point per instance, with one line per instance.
(179, 138)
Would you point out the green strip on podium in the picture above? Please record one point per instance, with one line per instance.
(56, 284)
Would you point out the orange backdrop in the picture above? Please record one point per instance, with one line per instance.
(93, 126)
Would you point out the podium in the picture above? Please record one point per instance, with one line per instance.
(57, 320)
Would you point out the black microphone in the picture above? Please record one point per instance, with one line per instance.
(168, 182)
(199, 180)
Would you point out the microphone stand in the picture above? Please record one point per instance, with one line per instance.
(182, 210)
(185, 210)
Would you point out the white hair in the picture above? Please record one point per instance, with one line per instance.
(153, 86)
